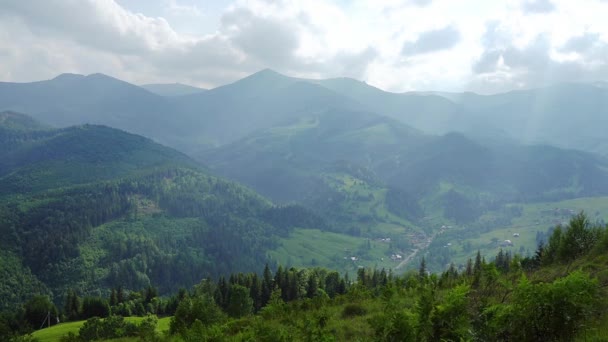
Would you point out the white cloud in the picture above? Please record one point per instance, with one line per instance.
(448, 45)
(538, 6)
(175, 8)
(432, 41)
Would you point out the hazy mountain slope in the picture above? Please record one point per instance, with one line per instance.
(430, 113)
(516, 172)
(96, 99)
(279, 162)
(260, 101)
(288, 162)
(76, 155)
(566, 115)
(172, 89)
(18, 122)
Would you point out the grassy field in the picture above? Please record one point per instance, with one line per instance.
(536, 217)
(368, 200)
(54, 333)
(313, 247)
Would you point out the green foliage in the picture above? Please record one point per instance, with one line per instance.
(239, 301)
(200, 308)
(95, 329)
(547, 311)
(568, 243)
(95, 307)
(39, 310)
(395, 325)
(450, 318)
(352, 310)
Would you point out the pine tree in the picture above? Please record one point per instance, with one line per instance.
(267, 286)
(120, 295)
(113, 298)
(469, 268)
(422, 270)
(477, 270)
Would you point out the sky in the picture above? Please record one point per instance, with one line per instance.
(396, 45)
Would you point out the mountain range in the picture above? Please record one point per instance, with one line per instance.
(197, 119)
(103, 182)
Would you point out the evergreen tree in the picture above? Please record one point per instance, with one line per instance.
(239, 302)
(422, 273)
(267, 285)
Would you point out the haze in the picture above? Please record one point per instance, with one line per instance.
(440, 45)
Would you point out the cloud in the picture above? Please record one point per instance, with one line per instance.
(105, 37)
(581, 43)
(432, 41)
(269, 41)
(175, 8)
(421, 3)
(538, 6)
(388, 43)
(534, 65)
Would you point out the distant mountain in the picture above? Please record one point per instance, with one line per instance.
(260, 101)
(76, 155)
(281, 162)
(71, 99)
(290, 162)
(568, 115)
(430, 113)
(20, 122)
(172, 89)
(565, 115)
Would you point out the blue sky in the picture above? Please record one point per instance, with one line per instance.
(397, 45)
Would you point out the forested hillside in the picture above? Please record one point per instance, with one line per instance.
(555, 295)
(91, 208)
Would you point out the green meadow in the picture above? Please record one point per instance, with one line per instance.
(54, 333)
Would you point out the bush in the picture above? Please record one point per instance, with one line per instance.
(116, 327)
(353, 310)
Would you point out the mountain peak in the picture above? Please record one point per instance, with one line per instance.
(266, 75)
(68, 77)
(259, 82)
(100, 76)
(172, 89)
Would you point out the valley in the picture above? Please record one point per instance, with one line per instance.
(268, 171)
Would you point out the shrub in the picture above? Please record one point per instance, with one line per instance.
(352, 310)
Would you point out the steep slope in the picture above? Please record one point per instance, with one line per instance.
(71, 99)
(430, 113)
(189, 123)
(280, 161)
(565, 115)
(13, 121)
(291, 162)
(172, 89)
(257, 102)
(93, 207)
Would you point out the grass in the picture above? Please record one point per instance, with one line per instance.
(368, 200)
(313, 247)
(535, 217)
(54, 333)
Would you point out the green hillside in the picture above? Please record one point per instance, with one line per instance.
(91, 208)
(556, 294)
